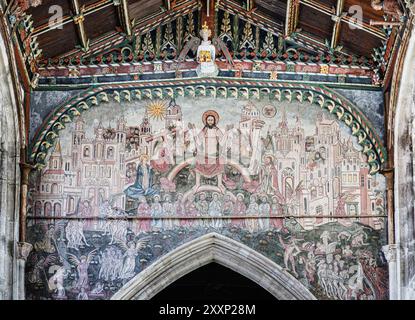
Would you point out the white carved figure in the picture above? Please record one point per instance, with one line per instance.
(206, 54)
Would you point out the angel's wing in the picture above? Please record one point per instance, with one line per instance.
(141, 243)
(91, 255)
(121, 245)
(191, 44)
(73, 259)
(221, 46)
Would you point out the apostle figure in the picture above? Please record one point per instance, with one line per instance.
(190, 210)
(228, 206)
(156, 212)
(209, 162)
(276, 211)
(202, 205)
(179, 205)
(143, 185)
(215, 210)
(264, 209)
(168, 211)
(206, 54)
(253, 210)
(239, 209)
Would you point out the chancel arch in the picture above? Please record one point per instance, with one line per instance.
(402, 253)
(279, 132)
(11, 286)
(176, 178)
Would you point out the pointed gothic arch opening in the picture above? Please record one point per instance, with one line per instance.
(216, 248)
(213, 282)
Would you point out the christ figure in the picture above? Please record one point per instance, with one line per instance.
(209, 162)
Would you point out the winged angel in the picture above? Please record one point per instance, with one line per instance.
(82, 265)
(206, 52)
(131, 251)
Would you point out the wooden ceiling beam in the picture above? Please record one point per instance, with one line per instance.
(291, 19)
(208, 13)
(78, 19)
(124, 16)
(337, 24)
(365, 27)
(345, 18)
(250, 5)
(140, 26)
(149, 22)
(168, 4)
(97, 6)
(316, 5)
(253, 16)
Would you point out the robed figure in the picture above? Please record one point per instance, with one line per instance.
(143, 185)
(268, 178)
(209, 161)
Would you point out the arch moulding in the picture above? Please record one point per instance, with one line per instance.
(401, 254)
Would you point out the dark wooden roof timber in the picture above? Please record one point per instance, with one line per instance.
(90, 28)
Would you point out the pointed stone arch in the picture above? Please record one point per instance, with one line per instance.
(10, 144)
(217, 248)
(401, 254)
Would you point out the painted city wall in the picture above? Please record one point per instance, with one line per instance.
(125, 184)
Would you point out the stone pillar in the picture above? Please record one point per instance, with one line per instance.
(23, 248)
(23, 251)
(391, 251)
(25, 170)
(389, 175)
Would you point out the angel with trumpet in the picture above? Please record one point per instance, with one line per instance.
(82, 265)
(131, 251)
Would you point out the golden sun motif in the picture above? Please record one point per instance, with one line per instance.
(157, 110)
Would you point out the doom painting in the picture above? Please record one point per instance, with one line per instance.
(123, 188)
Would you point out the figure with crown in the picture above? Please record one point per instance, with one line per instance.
(206, 54)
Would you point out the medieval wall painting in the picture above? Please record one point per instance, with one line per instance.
(126, 184)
